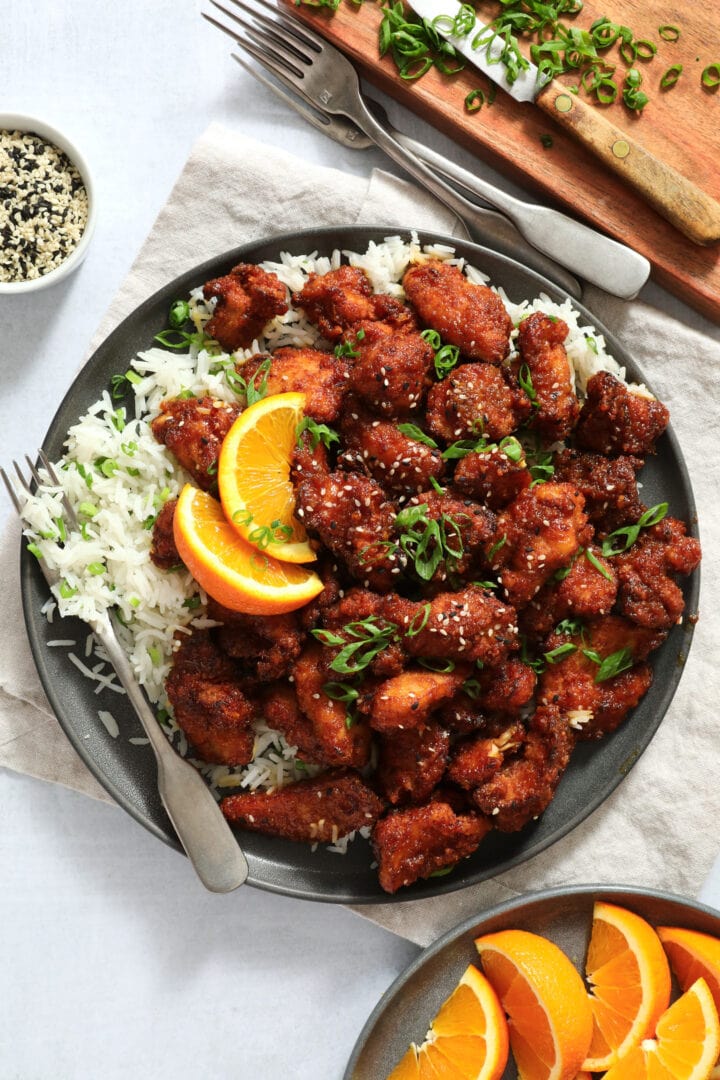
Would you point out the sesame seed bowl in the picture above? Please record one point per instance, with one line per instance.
(47, 205)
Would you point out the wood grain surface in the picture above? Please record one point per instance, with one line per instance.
(681, 126)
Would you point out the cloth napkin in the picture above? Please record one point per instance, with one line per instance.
(659, 827)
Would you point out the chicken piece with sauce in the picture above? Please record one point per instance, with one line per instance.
(617, 420)
(193, 430)
(344, 298)
(323, 809)
(476, 759)
(608, 485)
(406, 701)
(264, 645)
(210, 702)
(246, 300)
(491, 476)
(320, 376)
(344, 740)
(391, 369)
(415, 842)
(470, 316)
(164, 553)
(475, 400)
(411, 763)
(587, 592)
(541, 345)
(400, 464)
(648, 595)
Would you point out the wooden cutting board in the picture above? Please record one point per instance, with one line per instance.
(681, 126)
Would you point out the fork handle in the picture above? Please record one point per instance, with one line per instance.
(484, 226)
(208, 840)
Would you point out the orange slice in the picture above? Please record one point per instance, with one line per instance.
(686, 1043)
(254, 477)
(545, 999)
(468, 1039)
(630, 983)
(693, 955)
(230, 570)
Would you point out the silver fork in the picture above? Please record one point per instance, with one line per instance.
(324, 78)
(202, 830)
(327, 81)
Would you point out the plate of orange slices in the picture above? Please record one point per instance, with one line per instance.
(126, 767)
(568, 984)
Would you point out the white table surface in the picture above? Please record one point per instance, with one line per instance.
(114, 961)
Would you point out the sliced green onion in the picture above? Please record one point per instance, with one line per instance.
(671, 76)
(668, 32)
(474, 101)
(711, 76)
(412, 431)
(96, 568)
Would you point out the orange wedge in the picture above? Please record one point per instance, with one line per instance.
(254, 477)
(693, 955)
(545, 999)
(468, 1038)
(629, 978)
(230, 570)
(686, 1043)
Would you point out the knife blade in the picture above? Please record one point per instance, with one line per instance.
(677, 199)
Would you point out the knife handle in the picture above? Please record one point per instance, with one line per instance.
(677, 199)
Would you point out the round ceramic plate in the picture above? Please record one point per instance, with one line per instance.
(404, 1012)
(127, 771)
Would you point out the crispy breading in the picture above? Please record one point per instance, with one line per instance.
(278, 704)
(193, 430)
(323, 809)
(647, 594)
(541, 346)
(463, 627)
(322, 377)
(209, 701)
(344, 739)
(391, 372)
(354, 519)
(596, 709)
(246, 300)
(473, 317)
(614, 420)
(343, 298)
(585, 593)
(400, 464)
(506, 688)
(474, 400)
(408, 700)
(163, 553)
(411, 763)
(608, 485)
(476, 759)
(538, 534)
(524, 785)
(266, 645)
(491, 477)
(413, 843)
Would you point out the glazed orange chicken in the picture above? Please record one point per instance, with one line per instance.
(494, 585)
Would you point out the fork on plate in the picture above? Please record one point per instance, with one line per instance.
(204, 833)
(322, 77)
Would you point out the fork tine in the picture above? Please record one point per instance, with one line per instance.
(288, 75)
(264, 34)
(22, 478)
(10, 487)
(317, 119)
(276, 26)
(55, 479)
(293, 26)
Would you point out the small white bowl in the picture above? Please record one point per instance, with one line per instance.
(18, 122)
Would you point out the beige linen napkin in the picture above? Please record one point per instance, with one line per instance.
(659, 826)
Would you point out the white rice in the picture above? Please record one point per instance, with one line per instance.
(108, 565)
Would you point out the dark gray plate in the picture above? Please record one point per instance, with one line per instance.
(404, 1012)
(128, 772)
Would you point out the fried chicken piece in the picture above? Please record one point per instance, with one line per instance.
(327, 570)
(247, 299)
(400, 464)
(279, 706)
(209, 704)
(492, 477)
(391, 372)
(413, 843)
(540, 343)
(615, 420)
(353, 518)
(506, 688)
(475, 399)
(538, 534)
(585, 593)
(407, 701)
(648, 595)
(525, 784)
(344, 298)
(344, 741)
(322, 377)
(266, 645)
(411, 763)
(463, 715)
(468, 528)
(357, 606)
(477, 759)
(473, 317)
(464, 626)
(597, 708)
(163, 553)
(193, 430)
(608, 485)
(310, 811)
